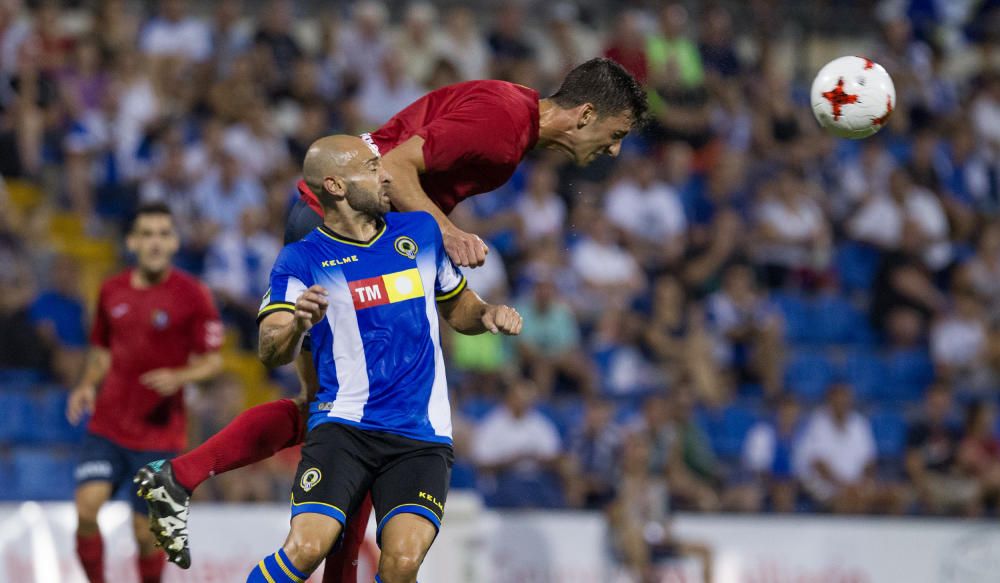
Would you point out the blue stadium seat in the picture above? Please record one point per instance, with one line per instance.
(865, 372)
(833, 319)
(856, 264)
(889, 428)
(7, 492)
(19, 379)
(41, 474)
(566, 414)
(808, 375)
(797, 316)
(737, 421)
(48, 419)
(477, 407)
(909, 374)
(15, 407)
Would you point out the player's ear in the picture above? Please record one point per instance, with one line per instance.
(335, 185)
(587, 116)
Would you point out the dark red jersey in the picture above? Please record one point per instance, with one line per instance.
(475, 134)
(146, 329)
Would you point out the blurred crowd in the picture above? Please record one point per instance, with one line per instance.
(739, 313)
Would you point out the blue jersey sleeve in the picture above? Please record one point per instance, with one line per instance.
(288, 281)
(449, 281)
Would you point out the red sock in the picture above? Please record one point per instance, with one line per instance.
(90, 549)
(256, 434)
(151, 567)
(342, 563)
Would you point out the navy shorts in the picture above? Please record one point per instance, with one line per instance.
(102, 460)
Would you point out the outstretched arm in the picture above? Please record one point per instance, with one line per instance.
(468, 314)
(281, 332)
(405, 164)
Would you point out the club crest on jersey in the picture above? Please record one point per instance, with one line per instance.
(160, 319)
(406, 247)
(310, 478)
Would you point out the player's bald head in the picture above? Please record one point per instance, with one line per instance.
(334, 156)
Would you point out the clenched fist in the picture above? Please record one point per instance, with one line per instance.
(502, 320)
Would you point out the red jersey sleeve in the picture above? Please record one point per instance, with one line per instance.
(469, 135)
(100, 332)
(206, 326)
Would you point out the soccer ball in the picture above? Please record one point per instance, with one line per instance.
(852, 97)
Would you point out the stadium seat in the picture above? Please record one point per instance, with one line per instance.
(40, 474)
(889, 428)
(476, 408)
(856, 264)
(48, 423)
(16, 407)
(7, 492)
(796, 313)
(865, 372)
(736, 423)
(19, 379)
(836, 321)
(909, 374)
(808, 375)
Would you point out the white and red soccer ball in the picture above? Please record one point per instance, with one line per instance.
(852, 97)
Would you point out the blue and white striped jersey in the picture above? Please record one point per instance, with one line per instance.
(378, 350)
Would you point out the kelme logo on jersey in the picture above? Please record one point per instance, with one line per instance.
(386, 289)
(310, 478)
(406, 247)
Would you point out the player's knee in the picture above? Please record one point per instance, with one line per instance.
(399, 565)
(305, 553)
(87, 509)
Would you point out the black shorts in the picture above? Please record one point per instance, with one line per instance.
(301, 221)
(102, 460)
(340, 464)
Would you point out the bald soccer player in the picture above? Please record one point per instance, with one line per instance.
(368, 286)
(453, 143)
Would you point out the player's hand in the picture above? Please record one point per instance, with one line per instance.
(81, 402)
(163, 380)
(310, 308)
(502, 320)
(465, 249)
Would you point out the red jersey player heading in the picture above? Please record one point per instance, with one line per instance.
(468, 138)
(155, 330)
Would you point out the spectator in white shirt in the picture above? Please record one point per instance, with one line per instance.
(256, 143)
(387, 91)
(835, 458)
(362, 45)
(959, 342)
(541, 210)
(415, 40)
(793, 232)
(880, 220)
(516, 450)
(609, 270)
(223, 195)
(747, 328)
(462, 43)
(236, 270)
(650, 213)
(175, 34)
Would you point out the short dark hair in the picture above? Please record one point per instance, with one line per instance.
(607, 86)
(150, 209)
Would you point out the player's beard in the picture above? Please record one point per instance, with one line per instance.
(367, 202)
